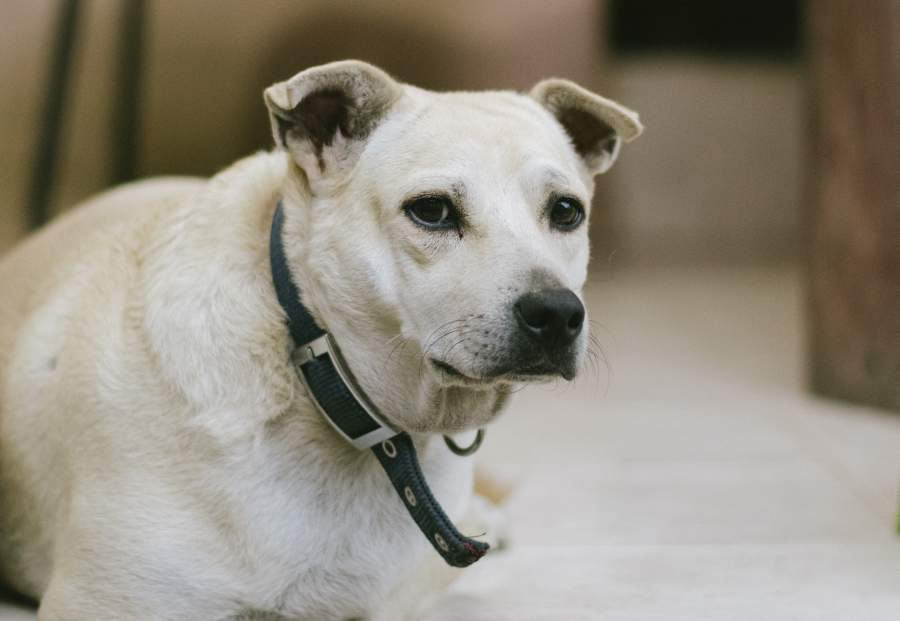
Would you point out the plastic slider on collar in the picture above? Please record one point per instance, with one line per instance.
(319, 362)
(313, 349)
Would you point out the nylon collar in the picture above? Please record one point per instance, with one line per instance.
(332, 388)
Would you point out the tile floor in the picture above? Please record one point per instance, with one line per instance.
(693, 477)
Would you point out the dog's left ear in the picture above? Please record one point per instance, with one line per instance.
(596, 126)
(323, 114)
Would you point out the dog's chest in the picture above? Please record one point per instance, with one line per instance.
(324, 539)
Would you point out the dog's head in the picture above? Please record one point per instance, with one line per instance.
(442, 237)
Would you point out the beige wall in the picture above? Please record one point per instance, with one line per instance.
(718, 175)
(24, 30)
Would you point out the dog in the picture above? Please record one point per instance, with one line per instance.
(160, 458)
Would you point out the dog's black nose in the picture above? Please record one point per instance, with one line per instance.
(552, 317)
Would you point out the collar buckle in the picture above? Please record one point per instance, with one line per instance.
(324, 350)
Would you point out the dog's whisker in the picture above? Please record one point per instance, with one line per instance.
(426, 352)
(440, 328)
(401, 342)
(440, 338)
(434, 342)
(595, 354)
(431, 345)
(464, 333)
(596, 325)
(518, 388)
(399, 346)
(452, 347)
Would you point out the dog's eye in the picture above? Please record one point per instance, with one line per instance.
(566, 213)
(432, 212)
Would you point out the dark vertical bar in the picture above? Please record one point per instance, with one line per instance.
(126, 111)
(42, 175)
(854, 211)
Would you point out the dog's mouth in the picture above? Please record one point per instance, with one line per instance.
(532, 373)
(458, 376)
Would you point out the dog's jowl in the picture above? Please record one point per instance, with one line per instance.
(160, 455)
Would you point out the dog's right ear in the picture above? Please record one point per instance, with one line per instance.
(323, 115)
(597, 126)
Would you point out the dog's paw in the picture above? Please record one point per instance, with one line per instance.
(486, 521)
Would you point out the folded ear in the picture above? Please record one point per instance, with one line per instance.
(596, 125)
(323, 115)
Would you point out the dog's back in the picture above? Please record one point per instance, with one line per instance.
(59, 283)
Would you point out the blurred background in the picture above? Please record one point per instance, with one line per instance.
(746, 249)
(717, 179)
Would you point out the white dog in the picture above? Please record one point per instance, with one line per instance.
(160, 458)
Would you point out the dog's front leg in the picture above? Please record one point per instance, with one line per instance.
(433, 576)
(103, 576)
(75, 599)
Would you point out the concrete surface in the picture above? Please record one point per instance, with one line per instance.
(694, 478)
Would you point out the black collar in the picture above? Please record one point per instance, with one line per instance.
(342, 402)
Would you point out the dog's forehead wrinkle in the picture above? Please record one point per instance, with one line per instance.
(451, 185)
(552, 178)
(497, 104)
(505, 116)
(401, 125)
